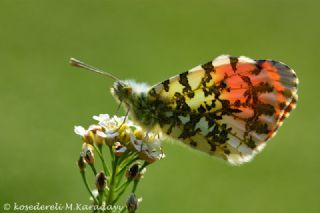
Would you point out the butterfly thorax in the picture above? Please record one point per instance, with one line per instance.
(134, 96)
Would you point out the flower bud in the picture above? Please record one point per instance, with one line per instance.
(99, 137)
(118, 149)
(132, 203)
(101, 181)
(134, 173)
(87, 153)
(88, 138)
(124, 136)
(81, 164)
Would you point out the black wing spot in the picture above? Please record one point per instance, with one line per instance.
(282, 105)
(233, 62)
(207, 66)
(166, 85)
(247, 80)
(201, 109)
(237, 103)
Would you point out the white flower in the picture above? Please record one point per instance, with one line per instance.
(94, 127)
(111, 135)
(79, 130)
(101, 134)
(112, 129)
(149, 147)
(137, 144)
(87, 135)
(157, 155)
(102, 118)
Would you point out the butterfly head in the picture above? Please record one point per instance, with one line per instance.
(127, 90)
(121, 90)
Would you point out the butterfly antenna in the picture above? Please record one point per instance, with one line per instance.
(78, 63)
(119, 106)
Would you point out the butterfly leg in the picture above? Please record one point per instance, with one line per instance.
(147, 135)
(124, 120)
(119, 106)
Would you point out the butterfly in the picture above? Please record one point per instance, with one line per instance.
(229, 107)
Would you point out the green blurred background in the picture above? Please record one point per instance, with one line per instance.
(42, 97)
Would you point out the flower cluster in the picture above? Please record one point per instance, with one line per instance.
(123, 136)
(131, 150)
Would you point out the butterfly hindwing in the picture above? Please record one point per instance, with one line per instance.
(227, 107)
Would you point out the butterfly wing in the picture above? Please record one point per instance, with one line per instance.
(228, 107)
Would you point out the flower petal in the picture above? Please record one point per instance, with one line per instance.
(79, 130)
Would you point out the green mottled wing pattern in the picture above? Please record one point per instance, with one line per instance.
(228, 107)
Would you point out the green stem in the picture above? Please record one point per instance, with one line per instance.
(144, 165)
(120, 188)
(111, 152)
(122, 170)
(135, 184)
(93, 169)
(99, 151)
(83, 175)
(101, 192)
(123, 188)
(120, 176)
(127, 163)
(123, 210)
(124, 156)
(112, 181)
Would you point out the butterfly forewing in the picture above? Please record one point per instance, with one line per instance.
(227, 107)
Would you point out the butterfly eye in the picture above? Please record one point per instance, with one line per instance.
(121, 90)
(127, 91)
